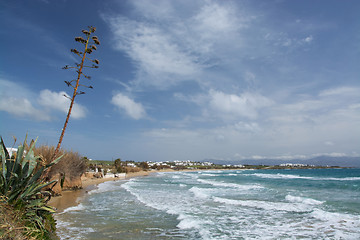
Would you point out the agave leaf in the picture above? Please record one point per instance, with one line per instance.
(4, 156)
(49, 209)
(36, 176)
(19, 156)
(29, 157)
(9, 165)
(13, 195)
(7, 155)
(54, 162)
(36, 187)
(25, 170)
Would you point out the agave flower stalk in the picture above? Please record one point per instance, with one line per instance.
(75, 84)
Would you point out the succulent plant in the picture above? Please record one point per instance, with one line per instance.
(22, 186)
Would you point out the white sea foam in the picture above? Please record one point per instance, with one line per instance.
(289, 176)
(343, 226)
(230, 185)
(200, 192)
(275, 206)
(342, 179)
(308, 201)
(79, 207)
(69, 232)
(336, 217)
(187, 222)
(209, 174)
(105, 187)
(279, 176)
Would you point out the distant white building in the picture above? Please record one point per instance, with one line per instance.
(293, 165)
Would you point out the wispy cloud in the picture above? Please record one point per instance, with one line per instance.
(179, 48)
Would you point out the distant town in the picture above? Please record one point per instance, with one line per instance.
(118, 166)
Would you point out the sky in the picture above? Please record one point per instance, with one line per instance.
(185, 79)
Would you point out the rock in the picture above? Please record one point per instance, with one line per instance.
(88, 174)
(98, 175)
(72, 183)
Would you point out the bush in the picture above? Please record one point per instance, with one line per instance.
(71, 165)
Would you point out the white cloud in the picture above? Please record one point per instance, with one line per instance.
(133, 109)
(15, 100)
(344, 91)
(308, 39)
(22, 107)
(244, 105)
(57, 101)
(21, 102)
(213, 20)
(160, 60)
(171, 47)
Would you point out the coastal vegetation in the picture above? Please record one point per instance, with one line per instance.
(67, 172)
(24, 212)
(32, 175)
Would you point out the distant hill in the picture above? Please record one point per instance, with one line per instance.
(317, 161)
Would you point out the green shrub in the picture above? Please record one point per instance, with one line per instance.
(21, 188)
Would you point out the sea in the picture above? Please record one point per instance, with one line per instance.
(224, 204)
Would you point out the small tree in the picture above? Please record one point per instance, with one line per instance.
(144, 165)
(117, 163)
(90, 45)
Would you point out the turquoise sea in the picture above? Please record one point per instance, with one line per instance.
(239, 204)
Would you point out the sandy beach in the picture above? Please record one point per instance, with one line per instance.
(73, 197)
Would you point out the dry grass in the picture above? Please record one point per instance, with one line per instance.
(71, 165)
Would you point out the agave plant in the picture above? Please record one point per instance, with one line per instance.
(21, 186)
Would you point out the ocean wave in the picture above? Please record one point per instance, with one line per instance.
(308, 201)
(343, 225)
(105, 187)
(230, 185)
(209, 174)
(274, 206)
(289, 176)
(187, 222)
(200, 192)
(79, 207)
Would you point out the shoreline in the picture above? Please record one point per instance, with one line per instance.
(72, 198)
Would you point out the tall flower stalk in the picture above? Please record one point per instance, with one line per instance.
(89, 43)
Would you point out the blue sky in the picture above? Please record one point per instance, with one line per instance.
(185, 79)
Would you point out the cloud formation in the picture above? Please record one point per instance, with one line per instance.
(244, 105)
(19, 101)
(21, 107)
(132, 109)
(57, 101)
(169, 48)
